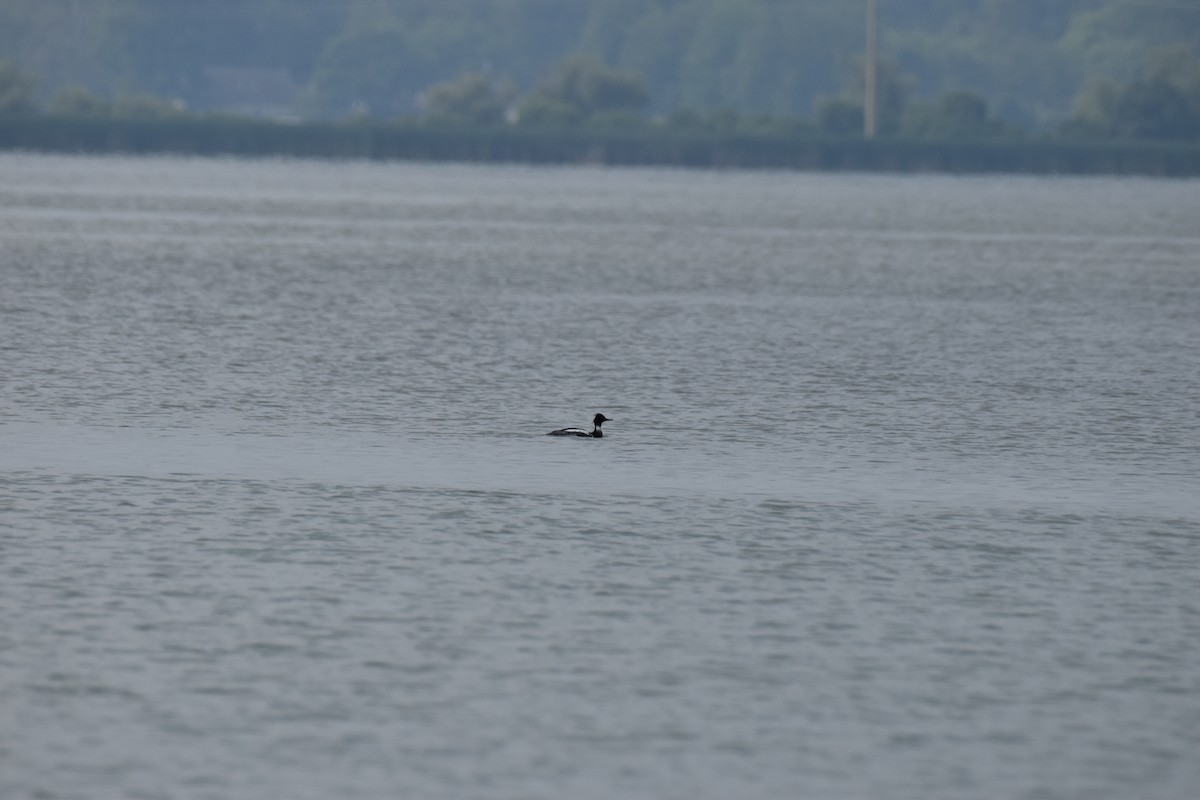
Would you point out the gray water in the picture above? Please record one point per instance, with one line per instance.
(899, 499)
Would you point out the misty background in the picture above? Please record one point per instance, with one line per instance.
(1034, 62)
(948, 68)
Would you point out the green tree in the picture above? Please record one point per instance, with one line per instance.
(722, 121)
(1163, 104)
(582, 89)
(843, 115)
(956, 115)
(652, 43)
(840, 116)
(16, 89)
(373, 71)
(893, 86)
(166, 48)
(1028, 57)
(1178, 65)
(472, 99)
(1154, 109)
(147, 106)
(75, 101)
(1111, 41)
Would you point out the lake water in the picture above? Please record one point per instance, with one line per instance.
(899, 499)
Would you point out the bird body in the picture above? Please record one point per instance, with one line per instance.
(594, 433)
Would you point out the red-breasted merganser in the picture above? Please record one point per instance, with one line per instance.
(595, 432)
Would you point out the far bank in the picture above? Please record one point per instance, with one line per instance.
(633, 147)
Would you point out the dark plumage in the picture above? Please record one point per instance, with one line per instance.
(594, 433)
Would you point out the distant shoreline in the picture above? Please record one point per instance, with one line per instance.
(633, 147)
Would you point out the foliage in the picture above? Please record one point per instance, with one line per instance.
(75, 101)
(16, 89)
(1162, 103)
(688, 119)
(1141, 109)
(1009, 50)
(893, 88)
(372, 71)
(208, 135)
(839, 116)
(472, 99)
(1154, 109)
(724, 122)
(1028, 58)
(147, 106)
(843, 115)
(956, 115)
(1112, 41)
(166, 48)
(580, 90)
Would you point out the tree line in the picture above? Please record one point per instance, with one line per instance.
(1037, 63)
(1160, 103)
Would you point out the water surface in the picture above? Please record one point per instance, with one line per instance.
(898, 500)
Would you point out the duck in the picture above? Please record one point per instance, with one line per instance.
(594, 433)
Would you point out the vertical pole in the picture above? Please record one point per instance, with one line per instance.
(872, 70)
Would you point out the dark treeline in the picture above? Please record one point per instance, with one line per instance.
(964, 85)
(1163, 103)
(369, 139)
(1036, 63)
